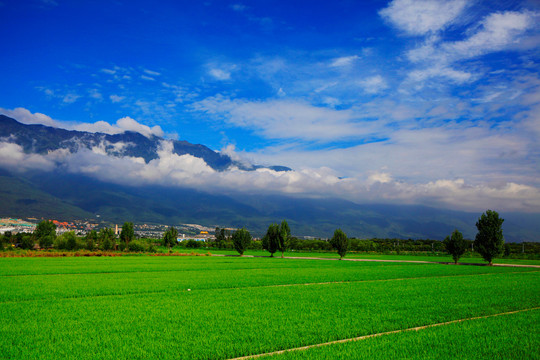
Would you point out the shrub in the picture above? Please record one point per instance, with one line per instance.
(136, 246)
(26, 242)
(193, 244)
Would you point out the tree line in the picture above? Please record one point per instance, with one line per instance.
(489, 241)
(105, 239)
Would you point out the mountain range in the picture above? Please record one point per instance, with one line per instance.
(61, 194)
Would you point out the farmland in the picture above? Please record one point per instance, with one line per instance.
(140, 307)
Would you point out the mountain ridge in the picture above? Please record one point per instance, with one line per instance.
(68, 195)
(40, 139)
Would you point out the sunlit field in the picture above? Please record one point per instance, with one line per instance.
(225, 307)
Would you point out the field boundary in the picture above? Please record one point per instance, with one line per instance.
(417, 328)
(388, 260)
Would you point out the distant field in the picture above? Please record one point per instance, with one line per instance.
(140, 308)
(436, 258)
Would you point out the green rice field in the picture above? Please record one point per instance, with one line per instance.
(199, 307)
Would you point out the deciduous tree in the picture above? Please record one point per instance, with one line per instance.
(241, 239)
(271, 239)
(284, 235)
(127, 234)
(340, 242)
(45, 233)
(456, 245)
(106, 238)
(170, 237)
(489, 240)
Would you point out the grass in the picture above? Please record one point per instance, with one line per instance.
(139, 307)
(437, 257)
(475, 339)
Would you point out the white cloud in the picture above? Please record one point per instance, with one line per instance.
(95, 94)
(374, 84)
(286, 119)
(220, 74)
(124, 124)
(24, 116)
(129, 124)
(13, 157)
(152, 73)
(238, 7)
(497, 32)
(456, 76)
(420, 17)
(149, 78)
(116, 98)
(344, 61)
(108, 71)
(187, 171)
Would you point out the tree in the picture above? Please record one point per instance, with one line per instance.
(45, 233)
(271, 239)
(106, 238)
(220, 237)
(170, 238)
(489, 240)
(127, 233)
(26, 241)
(284, 235)
(456, 245)
(340, 242)
(91, 239)
(241, 239)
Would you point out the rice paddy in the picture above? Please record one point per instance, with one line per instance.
(226, 307)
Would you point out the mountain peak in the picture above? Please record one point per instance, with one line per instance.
(42, 139)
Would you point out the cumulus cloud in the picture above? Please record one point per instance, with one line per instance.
(420, 17)
(122, 125)
(13, 157)
(171, 169)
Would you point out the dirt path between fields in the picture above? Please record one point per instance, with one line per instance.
(393, 261)
(379, 334)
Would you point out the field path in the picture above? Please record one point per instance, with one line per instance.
(380, 334)
(394, 261)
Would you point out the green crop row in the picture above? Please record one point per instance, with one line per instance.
(223, 323)
(180, 274)
(487, 338)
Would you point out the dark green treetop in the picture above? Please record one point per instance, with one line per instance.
(241, 239)
(271, 239)
(170, 237)
(45, 233)
(455, 245)
(340, 242)
(127, 234)
(284, 235)
(489, 240)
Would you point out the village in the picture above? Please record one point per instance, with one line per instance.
(83, 227)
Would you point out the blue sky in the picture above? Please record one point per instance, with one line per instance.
(433, 102)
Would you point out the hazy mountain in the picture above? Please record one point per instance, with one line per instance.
(41, 139)
(64, 195)
(67, 196)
